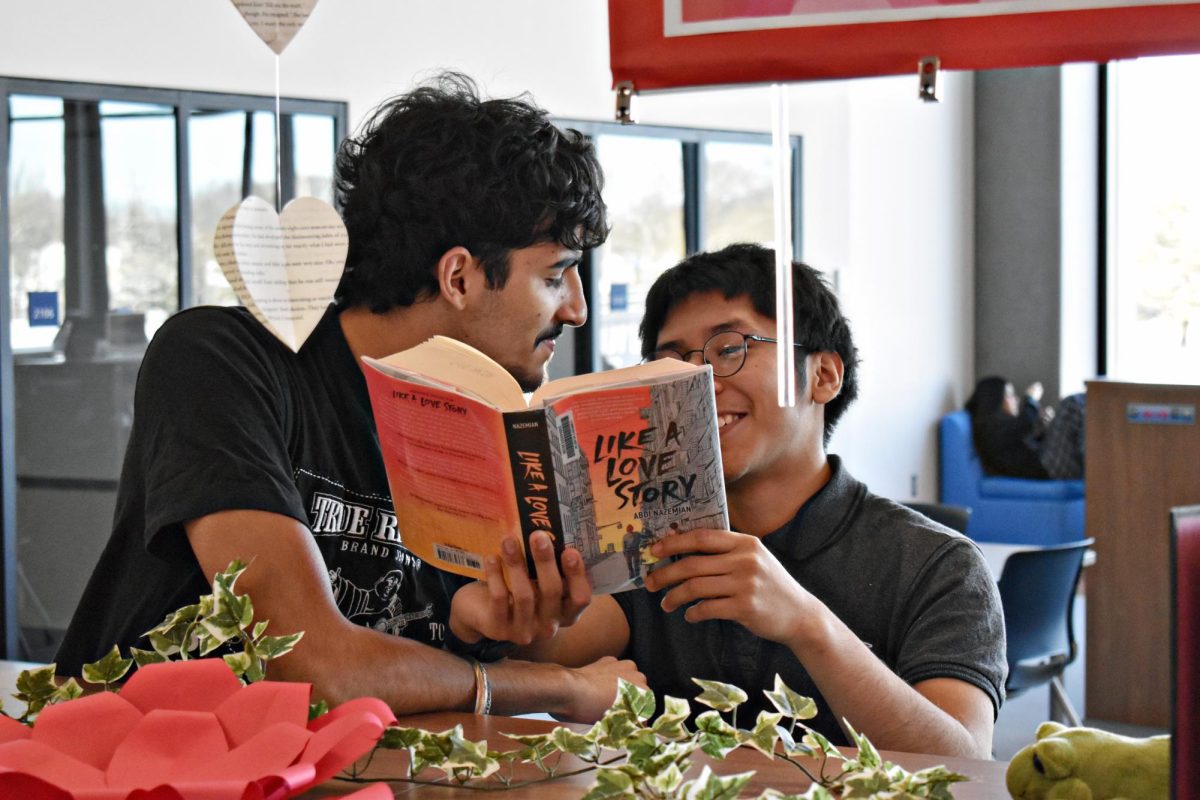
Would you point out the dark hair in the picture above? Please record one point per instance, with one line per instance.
(440, 167)
(988, 398)
(749, 270)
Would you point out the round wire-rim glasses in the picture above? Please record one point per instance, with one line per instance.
(725, 351)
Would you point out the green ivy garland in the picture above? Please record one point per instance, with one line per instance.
(632, 753)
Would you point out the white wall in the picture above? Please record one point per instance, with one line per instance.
(887, 179)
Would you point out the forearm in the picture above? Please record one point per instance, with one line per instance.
(343, 661)
(414, 678)
(860, 688)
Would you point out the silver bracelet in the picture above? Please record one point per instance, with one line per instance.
(483, 689)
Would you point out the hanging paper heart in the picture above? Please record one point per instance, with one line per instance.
(275, 21)
(284, 268)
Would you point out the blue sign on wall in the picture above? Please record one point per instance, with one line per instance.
(43, 309)
(618, 297)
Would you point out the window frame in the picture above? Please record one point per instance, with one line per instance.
(183, 102)
(692, 142)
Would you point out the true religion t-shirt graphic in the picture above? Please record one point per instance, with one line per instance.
(375, 581)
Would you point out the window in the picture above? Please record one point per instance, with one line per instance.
(110, 199)
(670, 192)
(1153, 304)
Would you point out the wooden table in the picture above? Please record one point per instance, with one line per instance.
(987, 777)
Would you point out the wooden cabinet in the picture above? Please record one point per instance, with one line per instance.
(1143, 457)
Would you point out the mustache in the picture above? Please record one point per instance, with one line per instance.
(549, 333)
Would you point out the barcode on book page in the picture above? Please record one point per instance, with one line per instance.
(566, 428)
(452, 555)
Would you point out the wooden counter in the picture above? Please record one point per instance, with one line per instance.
(1136, 471)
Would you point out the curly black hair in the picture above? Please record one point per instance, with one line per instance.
(748, 270)
(440, 167)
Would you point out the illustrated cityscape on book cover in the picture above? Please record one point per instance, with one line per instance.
(636, 464)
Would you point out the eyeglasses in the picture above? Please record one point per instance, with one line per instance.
(725, 352)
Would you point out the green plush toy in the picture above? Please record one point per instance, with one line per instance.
(1089, 764)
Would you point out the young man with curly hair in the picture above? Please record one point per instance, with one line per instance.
(884, 617)
(466, 218)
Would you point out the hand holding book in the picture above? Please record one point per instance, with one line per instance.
(507, 605)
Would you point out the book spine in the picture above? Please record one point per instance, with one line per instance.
(532, 465)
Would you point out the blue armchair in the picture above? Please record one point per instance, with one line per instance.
(1014, 510)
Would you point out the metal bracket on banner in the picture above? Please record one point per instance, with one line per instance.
(625, 93)
(929, 74)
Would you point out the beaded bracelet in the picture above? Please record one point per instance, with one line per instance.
(483, 689)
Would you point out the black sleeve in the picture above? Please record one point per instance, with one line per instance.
(954, 622)
(211, 413)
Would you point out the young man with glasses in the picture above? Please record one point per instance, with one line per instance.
(886, 618)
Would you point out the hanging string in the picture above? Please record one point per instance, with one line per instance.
(781, 147)
(278, 158)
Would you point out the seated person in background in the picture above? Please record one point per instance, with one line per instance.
(881, 615)
(467, 218)
(1018, 438)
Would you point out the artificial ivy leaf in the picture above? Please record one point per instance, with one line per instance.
(394, 737)
(536, 746)
(68, 690)
(238, 662)
(216, 632)
(259, 629)
(610, 783)
(637, 701)
(710, 786)
(144, 657)
(257, 670)
(820, 744)
(721, 696)
(164, 645)
(666, 781)
(317, 709)
(469, 756)
(614, 729)
(818, 792)
(791, 746)
(791, 703)
(717, 737)
(868, 756)
(270, 647)
(775, 794)
(866, 783)
(109, 669)
(670, 723)
(764, 736)
(671, 754)
(36, 684)
(181, 617)
(432, 749)
(934, 782)
(641, 747)
(568, 741)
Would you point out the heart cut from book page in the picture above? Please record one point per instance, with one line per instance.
(284, 268)
(275, 21)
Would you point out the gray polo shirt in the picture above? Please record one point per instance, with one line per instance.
(918, 594)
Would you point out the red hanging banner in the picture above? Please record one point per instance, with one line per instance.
(660, 44)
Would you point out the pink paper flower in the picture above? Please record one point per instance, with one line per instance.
(187, 729)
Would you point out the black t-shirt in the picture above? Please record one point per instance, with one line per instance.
(226, 417)
(920, 596)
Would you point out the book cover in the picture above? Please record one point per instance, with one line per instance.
(635, 464)
(608, 463)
